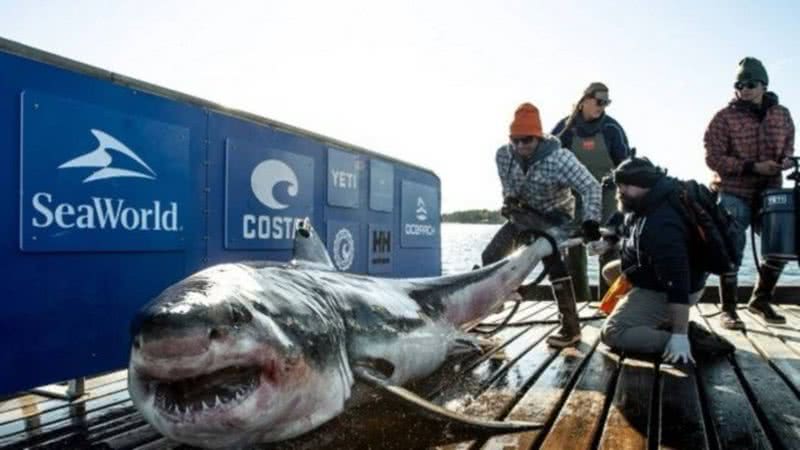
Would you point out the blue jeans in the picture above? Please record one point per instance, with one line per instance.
(742, 213)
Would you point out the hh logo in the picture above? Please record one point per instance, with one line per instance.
(269, 175)
(381, 241)
(587, 144)
(102, 159)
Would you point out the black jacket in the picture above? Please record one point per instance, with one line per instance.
(655, 252)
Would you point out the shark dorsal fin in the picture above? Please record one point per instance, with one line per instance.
(309, 250)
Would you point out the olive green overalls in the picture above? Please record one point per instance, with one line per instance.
(593, 153)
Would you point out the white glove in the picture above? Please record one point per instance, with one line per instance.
(678, 350)
(597, 247)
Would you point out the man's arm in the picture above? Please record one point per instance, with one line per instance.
(503, 162)
(679, 317)
(788, 148)
(716, 140)
(678, 349)
(578, 177)
(668, 247)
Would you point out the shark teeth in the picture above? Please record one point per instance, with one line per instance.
(204, 393)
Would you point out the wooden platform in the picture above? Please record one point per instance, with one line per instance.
(587, 397)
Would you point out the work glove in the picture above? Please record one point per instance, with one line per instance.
(590, 230)
(505, 210)
(510, 203)
(678, 350)
(599, 247)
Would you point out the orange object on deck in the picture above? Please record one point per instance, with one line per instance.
(618, 288)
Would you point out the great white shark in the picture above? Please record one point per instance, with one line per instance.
(253, 352)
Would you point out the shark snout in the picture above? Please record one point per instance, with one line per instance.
(184, 329)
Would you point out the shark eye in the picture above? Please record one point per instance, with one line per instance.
(215, 334)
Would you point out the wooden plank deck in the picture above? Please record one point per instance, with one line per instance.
(587, 397)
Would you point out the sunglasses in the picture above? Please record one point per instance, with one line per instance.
(749, 85)
(602, 102)
(522, 140)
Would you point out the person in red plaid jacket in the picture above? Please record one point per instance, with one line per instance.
(747, 146)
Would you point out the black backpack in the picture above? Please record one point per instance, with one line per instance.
(713, 229)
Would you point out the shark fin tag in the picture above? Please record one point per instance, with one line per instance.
(309, 250)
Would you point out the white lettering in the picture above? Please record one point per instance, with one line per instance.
(86, 217)
(269, 227)
(103, 213)
(247, 226)
(344, 179)
(64, 211)
(130, 219)
(42, 209)
(145, 213)
(169, 219)
(415, 229)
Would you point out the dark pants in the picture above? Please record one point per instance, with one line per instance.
(577, 260)
(509, 238)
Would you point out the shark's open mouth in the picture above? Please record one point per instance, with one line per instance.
(217, 390)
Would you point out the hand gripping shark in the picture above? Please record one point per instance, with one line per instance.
(245, 353)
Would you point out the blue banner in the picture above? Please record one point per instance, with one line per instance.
(96, 179)
(267, 193)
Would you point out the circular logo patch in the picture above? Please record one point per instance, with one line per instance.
(343, 249)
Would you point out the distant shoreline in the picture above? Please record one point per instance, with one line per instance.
(474, 216)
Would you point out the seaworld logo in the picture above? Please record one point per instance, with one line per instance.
(105, 212)
(102, 159)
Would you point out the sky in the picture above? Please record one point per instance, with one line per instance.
(436, 83)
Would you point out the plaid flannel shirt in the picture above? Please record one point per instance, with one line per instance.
(546, 186)
(736, 136)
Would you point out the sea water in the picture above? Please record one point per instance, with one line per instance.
(462, 245)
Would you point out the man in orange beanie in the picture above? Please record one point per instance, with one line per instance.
(538, 177)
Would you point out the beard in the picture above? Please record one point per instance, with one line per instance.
(628, 204)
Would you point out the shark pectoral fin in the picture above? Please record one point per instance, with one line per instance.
(434, 411)
(378, 369)
(465, 344)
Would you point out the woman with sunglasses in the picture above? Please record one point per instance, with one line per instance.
(600, 143)
(748, 143)
(538, 178)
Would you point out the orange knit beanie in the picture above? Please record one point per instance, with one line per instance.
(526, 121)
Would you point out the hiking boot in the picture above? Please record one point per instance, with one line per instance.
(763, 292)
(706, 344)
(728, 284)
(569, 333)
(563, 338)
(730, 319)
(764, 310)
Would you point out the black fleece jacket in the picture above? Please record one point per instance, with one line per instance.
(655, 254)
